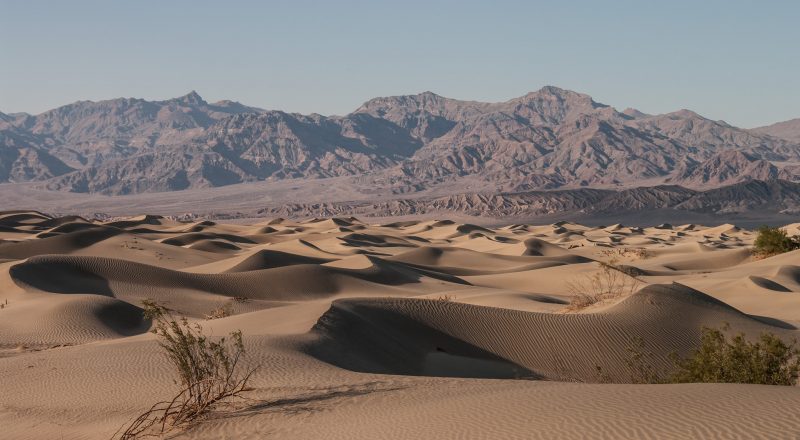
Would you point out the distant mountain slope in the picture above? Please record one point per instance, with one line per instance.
(788, 130)
(548, 139)
(725, 168)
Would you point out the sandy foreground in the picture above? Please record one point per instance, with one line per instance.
(412, 330)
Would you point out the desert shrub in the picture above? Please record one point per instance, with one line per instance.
(721, 359)
(208, 373)
(610, 281)
(639, 253)
(772, 241)
(220, 312)
(445, 298)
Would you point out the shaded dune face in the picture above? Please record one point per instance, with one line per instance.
(135, 281)
(399, 336)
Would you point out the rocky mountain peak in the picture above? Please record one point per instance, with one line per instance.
(191, 99)
(551, 138)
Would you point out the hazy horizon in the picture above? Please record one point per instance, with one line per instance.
(727, 61)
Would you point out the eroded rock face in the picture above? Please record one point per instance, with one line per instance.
(551, 138)
(778, 196)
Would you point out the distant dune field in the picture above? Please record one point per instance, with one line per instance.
(413, 329)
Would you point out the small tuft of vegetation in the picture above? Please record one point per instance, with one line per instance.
(723, 359)
(222, 311)
(208, 373)
(610, 281)
(446, 298)
(773, 241)
(634, 253)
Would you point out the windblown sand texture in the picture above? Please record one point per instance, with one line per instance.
(417, 329)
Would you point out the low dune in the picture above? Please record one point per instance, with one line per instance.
(412, 329)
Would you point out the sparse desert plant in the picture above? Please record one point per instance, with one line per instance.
(220, 312)
(773, 241)
(209, 373)
(639, 363)
(723, 359)
(608, 282)
(602, 376)
(718, 359)
(445, 298)
(639, 253)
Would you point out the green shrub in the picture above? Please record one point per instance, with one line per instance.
(772, 241)
(209, 372)
(719, 359)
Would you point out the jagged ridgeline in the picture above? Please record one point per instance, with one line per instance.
(548, 139)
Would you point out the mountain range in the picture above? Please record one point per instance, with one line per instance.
(548, 139)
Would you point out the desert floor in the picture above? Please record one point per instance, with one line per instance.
(418, 329)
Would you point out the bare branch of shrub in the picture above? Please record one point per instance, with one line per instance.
(609, 282)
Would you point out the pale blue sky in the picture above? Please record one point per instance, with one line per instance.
(732, 60)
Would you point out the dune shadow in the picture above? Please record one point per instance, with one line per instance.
(315, 400)
(773, 322)
(61, 277)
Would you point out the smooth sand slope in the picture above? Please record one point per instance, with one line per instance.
(415, 329)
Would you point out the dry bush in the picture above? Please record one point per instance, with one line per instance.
(209, 373)
(446, 298)
(220, 312)
(639, 363)
(610, 281)
(634, 253)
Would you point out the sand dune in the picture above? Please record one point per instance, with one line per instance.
(387, 331)
(399, 336)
